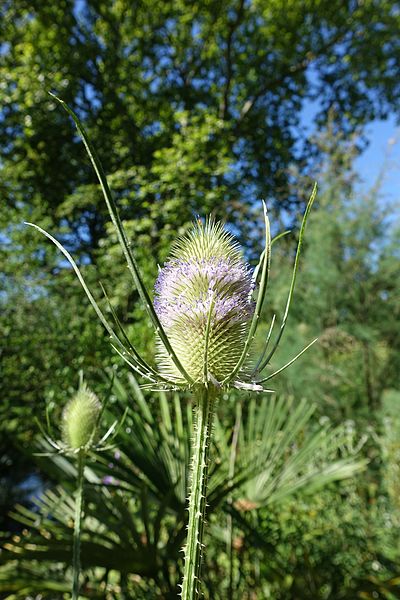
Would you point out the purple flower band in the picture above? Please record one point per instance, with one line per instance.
(186, 289)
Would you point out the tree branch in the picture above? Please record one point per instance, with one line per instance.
(292, 70)
(224, 106)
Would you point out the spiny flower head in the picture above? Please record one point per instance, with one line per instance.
(80, 418)
(203, 300)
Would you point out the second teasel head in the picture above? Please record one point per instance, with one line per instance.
(80, 419)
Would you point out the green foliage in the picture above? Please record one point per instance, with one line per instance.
(200, 100)
(346, 294)
(329, 547)
(390, 443)
(135, 518)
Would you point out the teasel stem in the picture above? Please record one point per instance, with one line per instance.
(232, 460)
(76, 558)
(204, 411)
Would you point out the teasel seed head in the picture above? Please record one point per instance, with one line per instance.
(203, 298)
(80, 418)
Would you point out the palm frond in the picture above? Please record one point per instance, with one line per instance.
(135, 517)
(280, 454)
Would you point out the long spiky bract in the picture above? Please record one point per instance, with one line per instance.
(140, 367)
(260, 299)
(266, 360)
(205, 321)
(122, 237)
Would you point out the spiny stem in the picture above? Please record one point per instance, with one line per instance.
(197, 499)
(76, 560)
(232, 460)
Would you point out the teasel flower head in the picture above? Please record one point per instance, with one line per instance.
(80, 419)
(203, 298)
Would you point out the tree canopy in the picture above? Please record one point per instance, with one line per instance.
(192, 107)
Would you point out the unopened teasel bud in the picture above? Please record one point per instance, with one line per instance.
(80, 418)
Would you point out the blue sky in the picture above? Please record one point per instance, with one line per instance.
(384, 146)
(383, 149)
